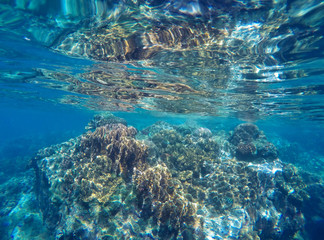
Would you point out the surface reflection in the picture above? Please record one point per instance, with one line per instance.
(246, 58)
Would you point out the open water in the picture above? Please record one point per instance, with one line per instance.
(161, 119)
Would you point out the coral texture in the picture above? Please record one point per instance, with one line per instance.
(84, 182)
(250, 144)
(177, 182)
(104, 119)
(162, 202)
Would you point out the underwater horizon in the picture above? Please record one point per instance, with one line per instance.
(162, 119)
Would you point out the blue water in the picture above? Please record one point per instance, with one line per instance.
(257, 62)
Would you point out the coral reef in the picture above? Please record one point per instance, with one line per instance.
(163, 204)
(104, 119)
(84, 182)
(248, 194)
(169, 182)
(250, 144)
(113, 147)
(182, 148)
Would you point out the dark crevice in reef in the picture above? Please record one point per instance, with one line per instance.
(170, 182)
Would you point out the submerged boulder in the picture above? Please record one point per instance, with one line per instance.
(105, 185)
(244, 133)
(104, 119)
(250, 144)
(83, 183)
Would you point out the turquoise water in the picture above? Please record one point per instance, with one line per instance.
(185, 75)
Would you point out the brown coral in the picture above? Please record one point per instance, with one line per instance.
(161, 197)
(103, 184)
(87, 178)
(250, 144)
(115, 142)
(246, 151)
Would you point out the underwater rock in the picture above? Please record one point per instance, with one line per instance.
(104, 119)
(245, 151)
(223, 186)
(250, 144)
(86, 178)
(116, 145)
(245, 132)
(105, 185)
(182, 148)
(202, 132)
(155, 128)
(162, 202)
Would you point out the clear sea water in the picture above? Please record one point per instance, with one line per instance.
(212, 63)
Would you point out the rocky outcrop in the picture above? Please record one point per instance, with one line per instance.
(176, 182)
(250, 144)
